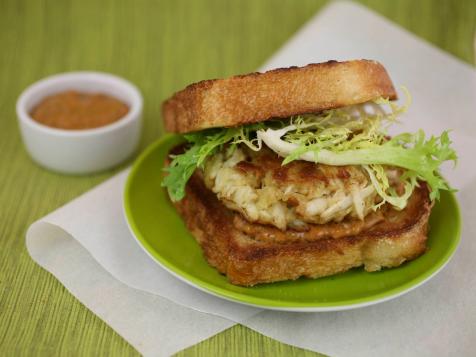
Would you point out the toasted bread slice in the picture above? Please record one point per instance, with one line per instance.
(278, 93)
(248, 260)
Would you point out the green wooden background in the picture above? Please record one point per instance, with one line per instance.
(161, 46)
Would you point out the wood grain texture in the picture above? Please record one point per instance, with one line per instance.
(161, 46)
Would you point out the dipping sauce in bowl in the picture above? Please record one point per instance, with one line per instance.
(80, 122)
(76, 110)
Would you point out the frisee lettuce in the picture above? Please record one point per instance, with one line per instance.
(202, 145)
(351, 136)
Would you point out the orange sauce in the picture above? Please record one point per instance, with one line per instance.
(75, 110)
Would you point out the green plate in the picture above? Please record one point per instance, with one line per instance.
(162, 234)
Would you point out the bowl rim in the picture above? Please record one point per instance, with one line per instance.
(132, 92)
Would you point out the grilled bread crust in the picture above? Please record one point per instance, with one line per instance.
(248, 260)
(279, 93)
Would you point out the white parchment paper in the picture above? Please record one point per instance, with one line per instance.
(135, 296)
(153, 325)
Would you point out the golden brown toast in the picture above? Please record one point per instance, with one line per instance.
(264, 254)
(278, 93)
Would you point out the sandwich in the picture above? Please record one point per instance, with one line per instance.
(292, 173)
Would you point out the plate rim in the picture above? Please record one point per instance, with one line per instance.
(266, 303)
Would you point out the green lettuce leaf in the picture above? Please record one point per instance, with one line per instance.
(202, 145)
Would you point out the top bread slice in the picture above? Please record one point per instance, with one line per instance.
(278, 93)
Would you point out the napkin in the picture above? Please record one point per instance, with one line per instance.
(87, 246)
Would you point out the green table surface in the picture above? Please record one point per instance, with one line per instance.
(161, 46)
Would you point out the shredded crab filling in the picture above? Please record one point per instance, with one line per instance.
(289, 204)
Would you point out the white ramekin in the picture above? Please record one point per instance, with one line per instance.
(81, 151)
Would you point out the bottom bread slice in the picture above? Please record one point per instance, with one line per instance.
(247, 260)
